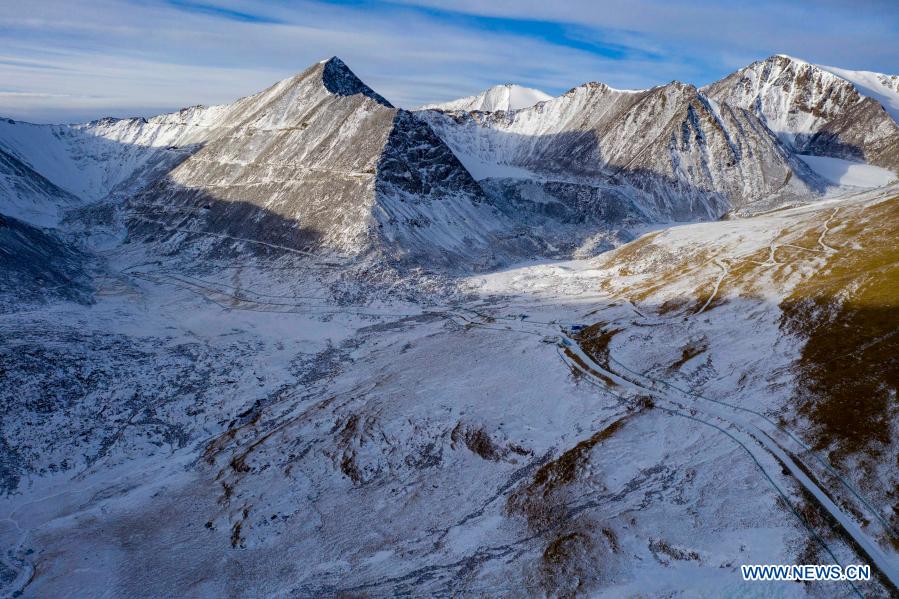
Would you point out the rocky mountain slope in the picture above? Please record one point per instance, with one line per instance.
(499, 97)
(819, 110)
(318, 162)
(676, 154)
(39, 267)
(30, 196)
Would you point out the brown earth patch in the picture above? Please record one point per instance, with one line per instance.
(567, 564)
(688, 352)
(540, 501)
(595, 340)
(848, 371)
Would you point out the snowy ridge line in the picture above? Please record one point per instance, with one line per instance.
(600, 385)
(504, 97)
(871, 85)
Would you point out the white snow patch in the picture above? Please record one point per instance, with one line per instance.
(846, 172)
(877, 86)
(481, 169)
(498, 97)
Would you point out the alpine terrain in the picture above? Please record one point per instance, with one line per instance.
(610, 343)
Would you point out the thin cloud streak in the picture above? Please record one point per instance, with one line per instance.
(148, 56)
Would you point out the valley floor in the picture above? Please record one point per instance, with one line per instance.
(612, 427)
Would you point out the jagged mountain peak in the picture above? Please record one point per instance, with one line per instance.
(786, 58)
(340, 80)
(589, 85)
(599, 86)
(819, 110)
(675, 84)
(782, 69)
(282, 100)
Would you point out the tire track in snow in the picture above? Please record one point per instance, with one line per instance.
(724, 273)
(823, 245)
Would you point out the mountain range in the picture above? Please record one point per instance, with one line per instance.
(608, 343)
(320, 161)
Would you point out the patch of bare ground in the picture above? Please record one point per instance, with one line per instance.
(568, 563)
(348, 431)
(663, 551)
(479, 442)
(542, 499)
(595, 340)
(705, 301)
(476, 440)
(672, 306)
(236, 538)
(577, 549)
(848, 314)
(576, 558)
(642, 248)
(688, 352)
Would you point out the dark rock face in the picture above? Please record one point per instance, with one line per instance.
(36, 266)
(416, 161)
(341, 81)
(863, 132)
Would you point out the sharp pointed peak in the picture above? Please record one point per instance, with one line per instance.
(341, 81)
(782, 60)
(787, 57)
(603, 87)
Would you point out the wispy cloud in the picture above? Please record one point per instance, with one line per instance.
(222, 12)
(145, 56)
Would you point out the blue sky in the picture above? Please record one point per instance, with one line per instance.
(75, 60)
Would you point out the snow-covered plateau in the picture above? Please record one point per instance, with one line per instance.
(307, 344)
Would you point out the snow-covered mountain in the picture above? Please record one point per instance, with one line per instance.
(499, 97)
(337, 165)
(823, 111)
(316, 162)
(676, 154)
(320, 162)
(29, 196)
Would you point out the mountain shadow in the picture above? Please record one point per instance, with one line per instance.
(37, 266)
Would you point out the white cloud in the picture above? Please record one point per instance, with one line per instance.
(121, 59)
